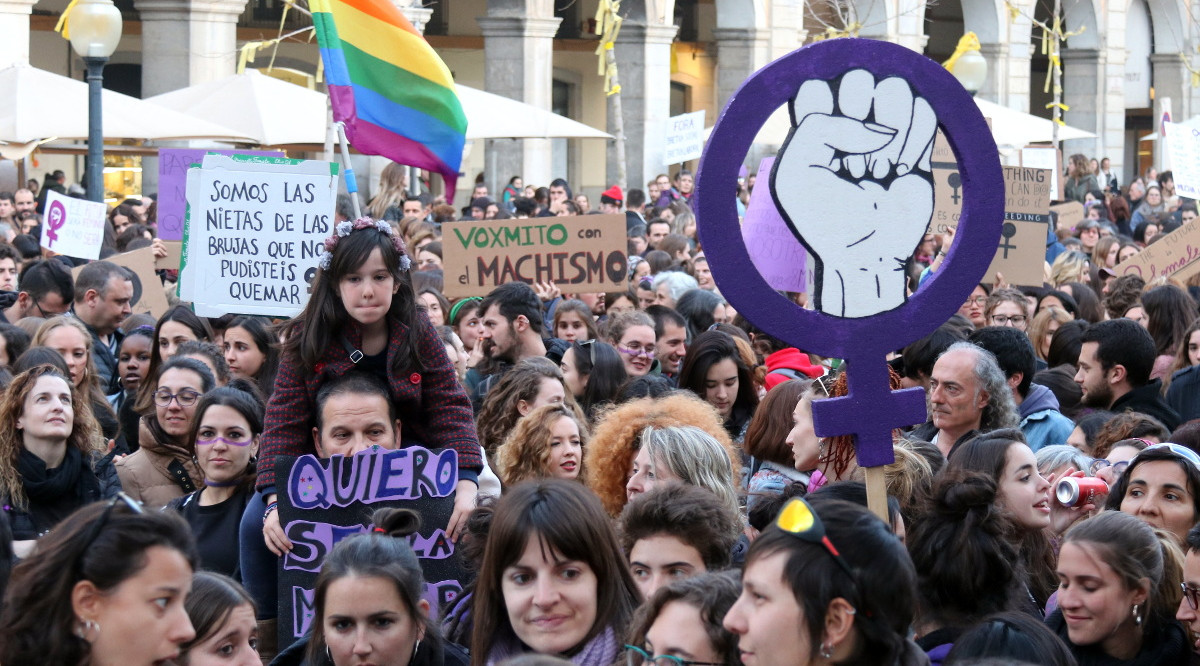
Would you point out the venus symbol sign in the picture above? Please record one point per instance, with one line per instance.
(854, 184)
(56, 217)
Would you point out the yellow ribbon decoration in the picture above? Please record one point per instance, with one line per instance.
(967, 43)
(609, 24)
(834, 33)
(61, 26)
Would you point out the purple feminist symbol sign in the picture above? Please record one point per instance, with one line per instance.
(56, 217)
(854, 184)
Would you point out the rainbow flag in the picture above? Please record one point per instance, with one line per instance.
(392, 91)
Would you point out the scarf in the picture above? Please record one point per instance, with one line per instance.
(1165, 645)
(45, 486)
(602, 650)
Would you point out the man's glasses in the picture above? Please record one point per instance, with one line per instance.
(1005, 320)
(799, 520)
(648, 352)
(185, 398)
(1192, 594)
(636, 656)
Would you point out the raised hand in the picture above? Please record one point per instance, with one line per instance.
(853, 181)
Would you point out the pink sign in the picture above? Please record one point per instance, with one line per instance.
(778, 256)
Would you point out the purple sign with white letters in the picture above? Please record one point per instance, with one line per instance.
(854, 183)
(173, 164)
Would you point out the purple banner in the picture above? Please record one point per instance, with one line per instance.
(778, 256)
(173, 164)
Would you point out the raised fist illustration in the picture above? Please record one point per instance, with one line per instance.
(853, 181)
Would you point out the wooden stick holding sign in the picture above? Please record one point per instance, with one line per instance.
(875, 200)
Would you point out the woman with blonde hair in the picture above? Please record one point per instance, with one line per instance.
(547, 443)
(617, 438)
(1043, 326)
(531, 383)
(392, 185)
(1069, 267)
(69, 337)
(682, 454)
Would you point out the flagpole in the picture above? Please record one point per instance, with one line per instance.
(351, 183)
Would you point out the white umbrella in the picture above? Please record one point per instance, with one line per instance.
(39, 105)
(1009, 127)
(1193, 122)
(272, 111)
(491, 116)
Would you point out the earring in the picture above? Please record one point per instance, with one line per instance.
(1137, 619)
(85, 627)
(826, 650)
(416, 647)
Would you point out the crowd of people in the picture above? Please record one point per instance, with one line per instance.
(640, 478)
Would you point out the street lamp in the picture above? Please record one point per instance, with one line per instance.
(967, 64)
(95, 29)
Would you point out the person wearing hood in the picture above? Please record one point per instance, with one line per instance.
(1041, 421)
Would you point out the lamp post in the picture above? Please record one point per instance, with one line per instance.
(95, 29)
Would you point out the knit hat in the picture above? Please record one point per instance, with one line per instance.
(612, 195)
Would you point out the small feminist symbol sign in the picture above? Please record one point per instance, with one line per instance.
(56, 217)
(855, 183)
(74, 227)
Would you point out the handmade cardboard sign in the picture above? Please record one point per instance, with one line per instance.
(684, 139)
(1022, 250)
(174, 256)
(254, 232)
(1070, 214)
(1176, 255)
(854, 183)
(776, 253)
(947, 187)
(1183, 145)
(1045, 157)
(148, 296)
(580, 253)
(173, 164)
(73, 227)
(327, 500)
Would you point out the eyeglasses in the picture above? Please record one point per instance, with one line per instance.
(128, 502)
(1179, 450)
(1098, 464)
(1192, 594)
(799, 520)
(636, 656)
(1004, 320)
(648, 352)
(977, 300)
(185, 398)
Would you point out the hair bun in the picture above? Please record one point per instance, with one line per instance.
(959, 494)
(396, 523)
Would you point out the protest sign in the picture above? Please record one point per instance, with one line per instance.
(254, 232)
(327, 500)
(1070, 214)
(684, 138)
(1022, 250)
(776, 253)
(73, 227)
(174, 256)
(148, 295)
(580, 253)
(1175, 255)
(947, 187)
(1183, 145)
(173, 164)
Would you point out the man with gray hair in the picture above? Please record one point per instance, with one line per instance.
(967, 394)
(103, 293)
(670, 285)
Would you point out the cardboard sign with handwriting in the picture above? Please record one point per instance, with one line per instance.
(581, 253)
(1070, 214)
(1175, 255)
(1022, 250)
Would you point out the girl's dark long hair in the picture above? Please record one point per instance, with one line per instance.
(605, 376)
(320, 326)
(265, 338)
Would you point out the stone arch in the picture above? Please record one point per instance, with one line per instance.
(1171, 25)
(741, 14)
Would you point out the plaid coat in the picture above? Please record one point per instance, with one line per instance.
(433, 407)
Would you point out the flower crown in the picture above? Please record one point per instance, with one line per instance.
(344, 229)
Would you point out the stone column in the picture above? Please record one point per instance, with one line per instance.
(1083, 90)
(740, 53)
(1008, 78)
(643, 55)
(519, 61)
(416, 14)
(14, 25)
